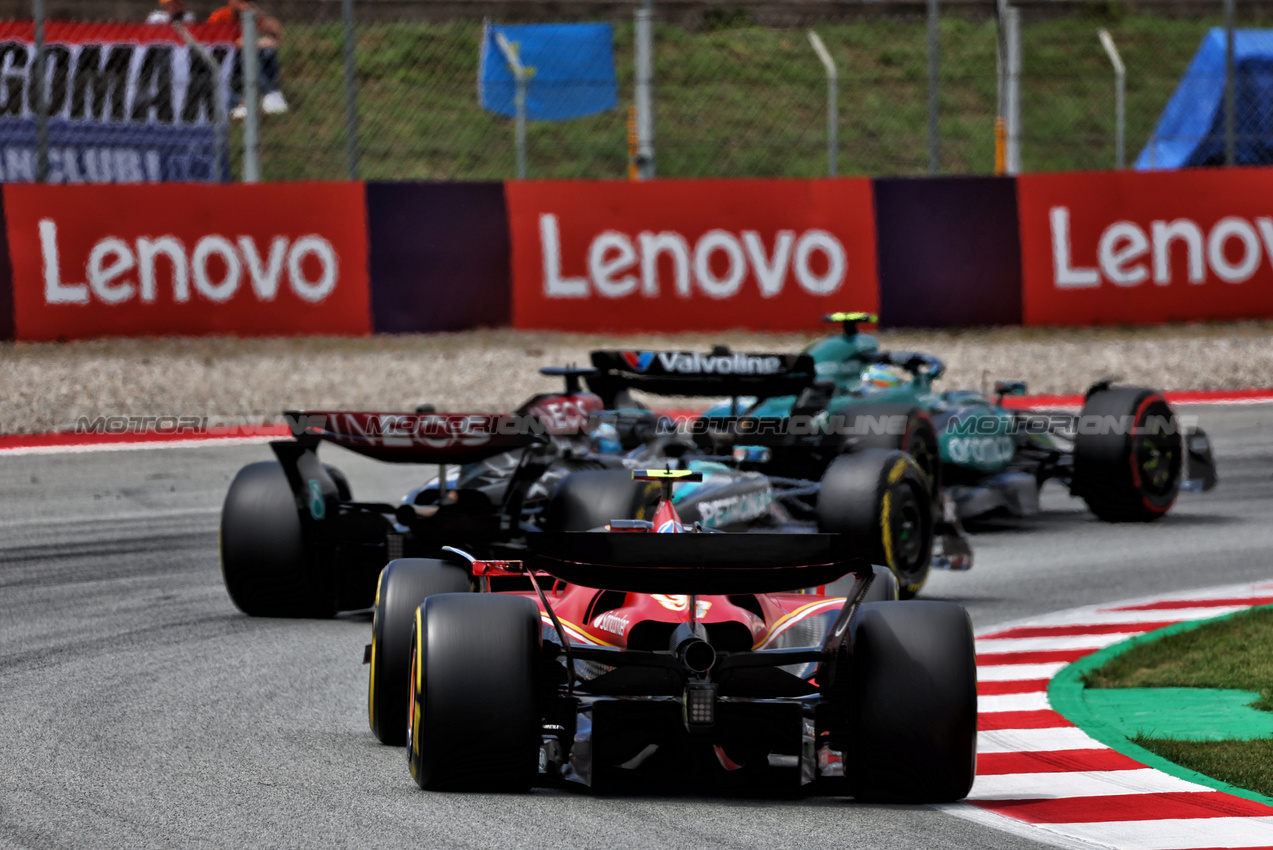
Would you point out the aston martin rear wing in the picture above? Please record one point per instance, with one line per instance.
(692, 373)
(697, 563)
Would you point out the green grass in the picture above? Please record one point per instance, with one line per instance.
(1235, 653)
(1244, 764)
(731, 100)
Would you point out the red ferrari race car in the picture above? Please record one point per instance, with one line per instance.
(649, 653)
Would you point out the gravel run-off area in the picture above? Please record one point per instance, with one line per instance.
(48, 386)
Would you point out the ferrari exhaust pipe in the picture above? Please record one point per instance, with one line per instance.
(689, 644)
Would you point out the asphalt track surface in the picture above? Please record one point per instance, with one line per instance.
(138, 707)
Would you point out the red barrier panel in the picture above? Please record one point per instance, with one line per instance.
(1144, 248)
(170, 259)
(690, 255)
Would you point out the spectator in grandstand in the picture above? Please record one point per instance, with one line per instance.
(171, 12)
(269, 34)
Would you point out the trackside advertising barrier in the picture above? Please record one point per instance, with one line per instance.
(128, 103)
(147, 260)
(679, 255)
(948, 252)
(1143, 248)
(439, 256)
(1071, 249)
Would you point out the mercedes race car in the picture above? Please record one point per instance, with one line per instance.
(657, 653)
(1125, 454)
(296, 542)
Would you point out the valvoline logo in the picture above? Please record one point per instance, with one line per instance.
(638, 360)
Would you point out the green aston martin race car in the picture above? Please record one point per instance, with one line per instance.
(1125, 453)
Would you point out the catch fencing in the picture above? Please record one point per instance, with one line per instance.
(387, 90)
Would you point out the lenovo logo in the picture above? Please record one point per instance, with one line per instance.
(1128, 254)
(215, 268)
(719, 264)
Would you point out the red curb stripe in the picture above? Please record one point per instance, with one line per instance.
(1042, 656)
(1093, 629)
(1018, 686)
(1196, 603)
(1219, 396)
(61, 439)
(1128, 807)
(1242, 396)
(1043, 718)
(1058, 761)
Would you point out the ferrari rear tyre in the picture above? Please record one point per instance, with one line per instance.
(882, 498)
(1128, 455)
(590, 499)
(263, 559)
(883, 589)
(404, 584)
(918, 439)
(912, 724)
(475, 720)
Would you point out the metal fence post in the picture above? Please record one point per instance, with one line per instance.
(644, 49)
(251, 100)
(1012, 87)
(351, 92)
(933, 151)
(519, 100)
(1230, 98)
(833, 102)
(221, 132)
(40, 96)
(1120, 91)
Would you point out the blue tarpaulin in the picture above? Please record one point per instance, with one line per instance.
(571, 70)
(1191, 130)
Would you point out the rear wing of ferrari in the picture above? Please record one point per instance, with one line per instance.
(693, 373)
(697, 563)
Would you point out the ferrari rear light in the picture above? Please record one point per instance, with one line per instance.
(700, 705)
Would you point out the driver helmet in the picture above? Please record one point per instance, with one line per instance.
(877, 377)
(605, 439)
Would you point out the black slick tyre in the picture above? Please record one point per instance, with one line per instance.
(1128, 455)
(918, 439)
(912, 713)
(881, 497)
(590, 499)
(404, 584)
(264, 562)
(343, 491)
(883, 589)
(475, 721)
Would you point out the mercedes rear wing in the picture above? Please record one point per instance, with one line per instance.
(444, 438)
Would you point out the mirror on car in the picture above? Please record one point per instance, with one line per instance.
(1003, 388)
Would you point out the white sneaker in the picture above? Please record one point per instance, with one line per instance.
(274, 103)
(238, 113)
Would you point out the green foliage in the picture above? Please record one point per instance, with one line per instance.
(732, 99)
